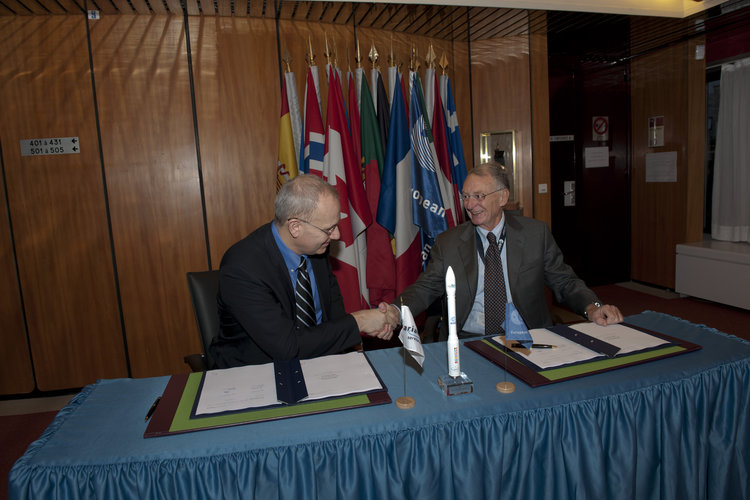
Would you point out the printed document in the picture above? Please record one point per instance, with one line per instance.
(254, 386)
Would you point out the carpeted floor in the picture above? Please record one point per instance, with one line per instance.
(17, 432)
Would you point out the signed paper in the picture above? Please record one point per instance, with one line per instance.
(254, 386)
(566, 351)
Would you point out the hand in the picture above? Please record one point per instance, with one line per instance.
(374, 322)
(604, 315)
(392, 312)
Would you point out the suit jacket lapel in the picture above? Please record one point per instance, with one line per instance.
(514, 241)
(277, 260)
(467, 252)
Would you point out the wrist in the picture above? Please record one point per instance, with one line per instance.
(591, 308)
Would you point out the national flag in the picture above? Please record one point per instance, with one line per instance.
(314, 134)
(381, 267)
(294, 113)
(458, 165)
(409, 335)
(442, 154)
(430, 212)
(354, 120)
(395, 205)
(442, 147)
(392, 81)
(286, 167)
(342, 170)
(382, 109)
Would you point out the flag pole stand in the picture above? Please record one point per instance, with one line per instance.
(405, 402)
(505, 387)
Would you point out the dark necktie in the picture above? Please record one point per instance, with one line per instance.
(494, 289)
(304, 297)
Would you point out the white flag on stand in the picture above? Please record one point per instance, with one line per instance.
(409, 335)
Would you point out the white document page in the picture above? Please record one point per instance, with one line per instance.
(565, 351)
(338, 374)
(237, 388)
(626, 338)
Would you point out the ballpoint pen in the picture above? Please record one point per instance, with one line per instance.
(152, 409)
(534, 346)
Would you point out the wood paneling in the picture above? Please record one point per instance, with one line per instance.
(502, 101)
(237, 100)
(57, 204)
(16, 375)
(696, 143)
(150, 159)
(540, 110)
(660, 215)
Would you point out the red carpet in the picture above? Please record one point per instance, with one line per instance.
(17, 432)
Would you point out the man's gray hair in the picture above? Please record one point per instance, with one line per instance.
(299, 197)
(492, 170)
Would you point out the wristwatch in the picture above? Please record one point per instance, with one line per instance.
(596, 303)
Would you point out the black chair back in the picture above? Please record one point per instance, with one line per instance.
(204, 286)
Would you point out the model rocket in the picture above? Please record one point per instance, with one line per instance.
(454, 358)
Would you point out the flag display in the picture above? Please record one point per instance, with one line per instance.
(286, 167)
(409, 336)
(313, 127)
(395, 207)
(393, 152)
(342, 170)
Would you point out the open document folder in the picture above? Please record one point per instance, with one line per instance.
(243, 395)
(570, 351)
(256, 386)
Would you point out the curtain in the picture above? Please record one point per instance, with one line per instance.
(731, 192)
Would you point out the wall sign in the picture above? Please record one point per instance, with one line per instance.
(50, 146)
(600, 128)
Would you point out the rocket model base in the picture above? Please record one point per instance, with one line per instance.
(455, 385)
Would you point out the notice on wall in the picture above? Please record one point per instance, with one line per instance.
(50, 146)
(661, 167)
(596, 157)
(656, 131)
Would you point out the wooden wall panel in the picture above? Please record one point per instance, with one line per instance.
(150, 158)
(57, 204)
(659, 209)
(540, 110)
(501, 100)
(238, 105)
(16, 375)
(696, 143)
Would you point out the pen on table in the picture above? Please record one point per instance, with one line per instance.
(535, 346)
(152, 409)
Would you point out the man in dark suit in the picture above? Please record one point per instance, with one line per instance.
(258, 311)
(530, 258)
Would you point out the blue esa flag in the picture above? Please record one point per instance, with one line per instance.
(515, 328)
(429, 210)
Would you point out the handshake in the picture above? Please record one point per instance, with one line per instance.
(378, 322)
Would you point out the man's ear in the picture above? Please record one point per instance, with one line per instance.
(294, 227)
(504, 196)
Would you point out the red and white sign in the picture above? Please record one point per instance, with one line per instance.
(600, 128)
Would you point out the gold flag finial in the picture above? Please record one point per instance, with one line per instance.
(310, 57)
(374, 56)
(414, 59)
(391, 59)
(430, 57)
(327, 52)
(287, 60)
(444, 63)
(358, 56)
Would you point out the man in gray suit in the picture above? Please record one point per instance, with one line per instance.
(530, 259)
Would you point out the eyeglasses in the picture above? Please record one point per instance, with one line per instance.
(328, 231)
(479, 197)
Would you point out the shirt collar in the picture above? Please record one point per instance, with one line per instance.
(291, 259)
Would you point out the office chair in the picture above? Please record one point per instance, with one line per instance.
(203, 286)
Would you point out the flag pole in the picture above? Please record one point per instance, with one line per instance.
(404, 402)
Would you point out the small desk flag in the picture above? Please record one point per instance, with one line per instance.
(515, 328)
(409, 336)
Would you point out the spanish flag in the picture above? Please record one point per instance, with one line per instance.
(287, 163)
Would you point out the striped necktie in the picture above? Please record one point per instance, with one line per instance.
(494, 289)
(304, 296)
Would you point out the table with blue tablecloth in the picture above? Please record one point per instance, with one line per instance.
(673, 428)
